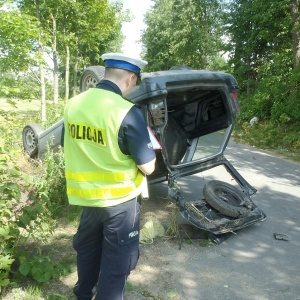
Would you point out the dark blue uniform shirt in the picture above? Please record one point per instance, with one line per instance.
(133, 132)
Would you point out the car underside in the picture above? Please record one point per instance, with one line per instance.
(191, 114)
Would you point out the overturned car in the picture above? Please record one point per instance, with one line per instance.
(191, 114)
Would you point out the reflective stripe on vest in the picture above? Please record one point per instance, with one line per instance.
(101, 176)
(106, 192)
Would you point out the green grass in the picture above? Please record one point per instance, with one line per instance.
(19, 105)
(280, 139)
(22, 109)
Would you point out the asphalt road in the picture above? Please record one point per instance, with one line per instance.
(251, 264)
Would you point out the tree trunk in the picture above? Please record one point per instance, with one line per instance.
(75, 74)
(55, 62)
(295, 31)
(67, 73)
(43, 87)
(41, 68)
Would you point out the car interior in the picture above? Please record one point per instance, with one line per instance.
(184, 118)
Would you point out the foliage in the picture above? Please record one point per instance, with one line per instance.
(261, 55)
(256, 38)
(41, 267)
(32, 293)
(19, 33)
(8, 230)
(281, 138)
(54, 113)
(33, 218)
(172, 230)
(84, 30)
(276, 96)
(21, 85)
(9, 197)
(50, 183)
(157, 38)
(38, 33)
(182, 33)
(16, 218)
(286, 108)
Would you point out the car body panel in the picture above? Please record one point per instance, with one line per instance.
(192, 115)
(51, 137)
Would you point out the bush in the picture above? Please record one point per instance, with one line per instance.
(50, 183)
(283, 138)
(29, 205)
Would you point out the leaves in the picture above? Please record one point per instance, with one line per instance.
(18, 33)
(258, 31)
(25, 266)
(40, 267)
(30, 40)
(5, 265)
(182, 33)
(10, 190)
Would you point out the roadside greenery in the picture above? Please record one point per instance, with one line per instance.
(281, 139)
(183, 33)
(32, 200)
(257, 41)
(46, 45)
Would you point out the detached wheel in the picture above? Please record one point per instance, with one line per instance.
(30, 135)
(90, 77)
(226, 199)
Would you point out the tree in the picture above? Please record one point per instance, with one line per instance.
(156, 38)
(89, 31)
(19, 34)
(73, 26)
(264, 44)
(65, 30)
(18, 57)
(182, 32)
(258, 32)
(41, 64)
(197, 35)
(295, 32)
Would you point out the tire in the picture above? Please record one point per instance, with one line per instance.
(226, 199)
(30, 135)
(90, 77)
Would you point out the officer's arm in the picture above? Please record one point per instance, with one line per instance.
(138, 144)
(148, 168)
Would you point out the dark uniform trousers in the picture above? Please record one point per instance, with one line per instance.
(107, 246)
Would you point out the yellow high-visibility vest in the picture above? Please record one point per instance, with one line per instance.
(97, 172)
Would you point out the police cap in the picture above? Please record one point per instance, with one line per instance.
(125, 62)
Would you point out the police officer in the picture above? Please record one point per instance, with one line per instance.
(107, 155)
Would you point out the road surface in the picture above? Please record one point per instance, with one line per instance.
(250, 265)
